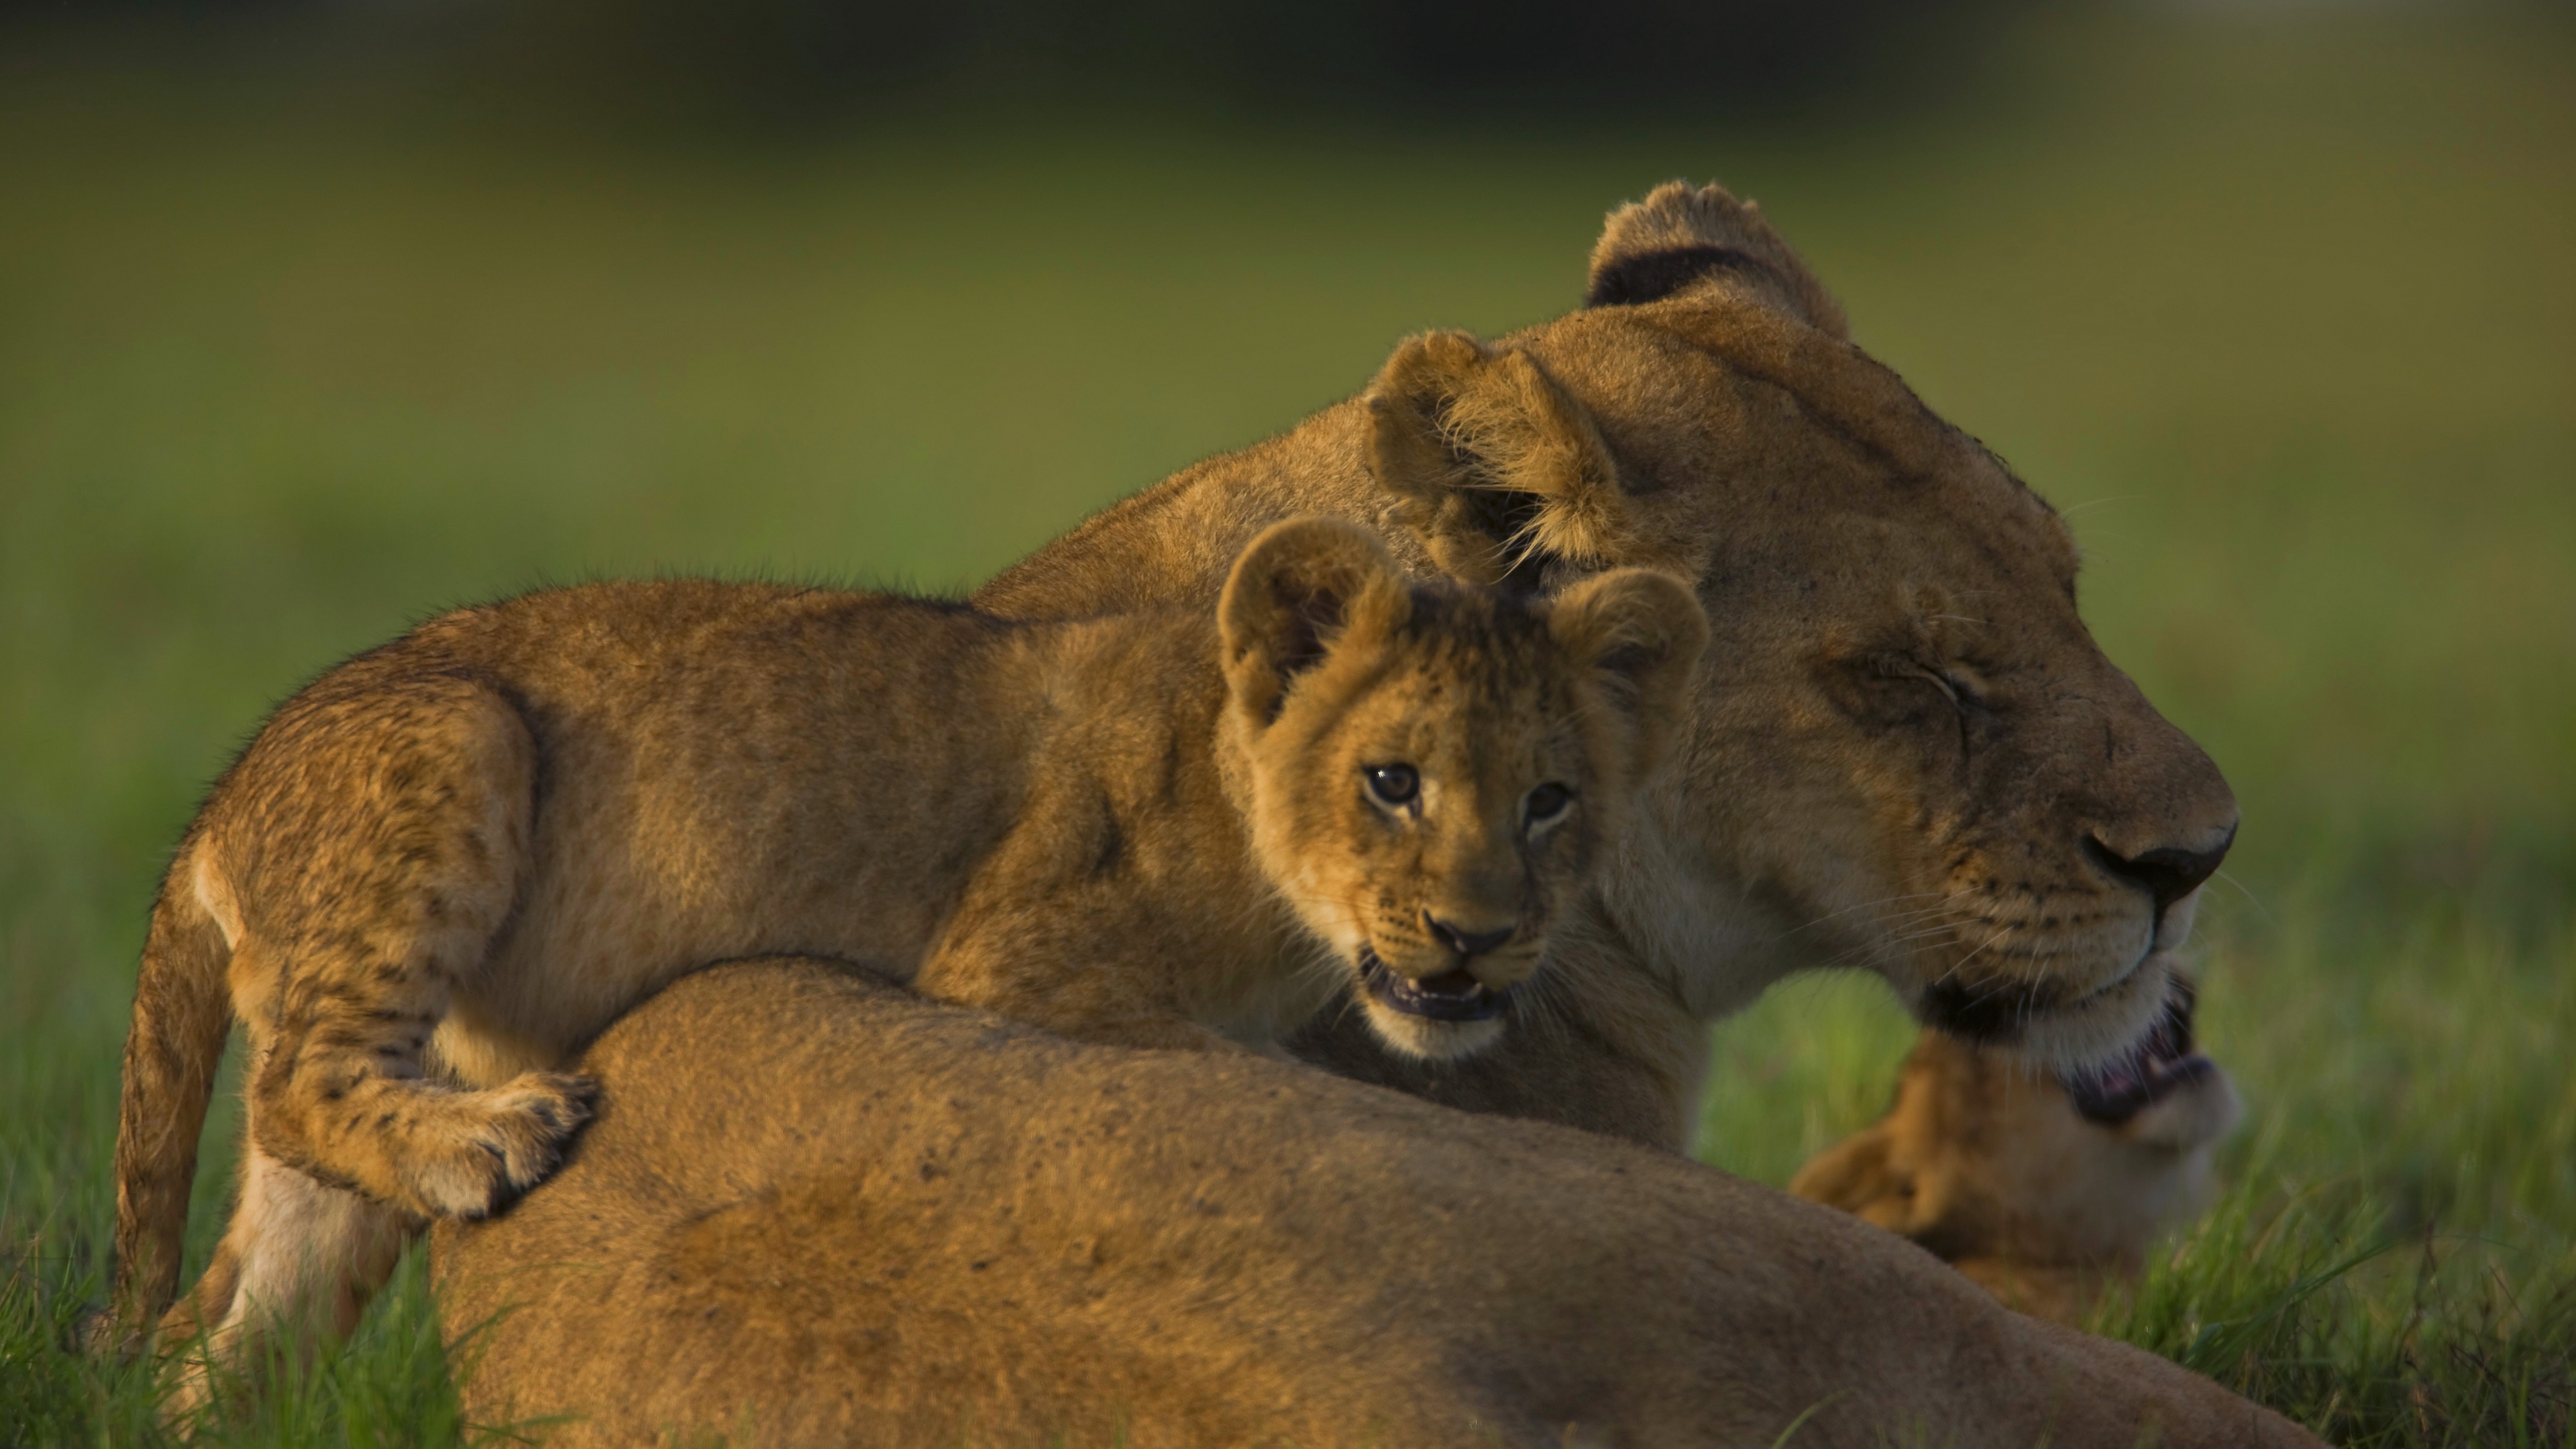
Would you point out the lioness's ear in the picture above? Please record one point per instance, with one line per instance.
(1683, 236)
(1299, 589)
(1644, 631)
(1490, 463)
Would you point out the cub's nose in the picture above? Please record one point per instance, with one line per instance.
(1465, 942)
(2169, 872)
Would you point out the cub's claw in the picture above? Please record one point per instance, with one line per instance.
(497, 1144)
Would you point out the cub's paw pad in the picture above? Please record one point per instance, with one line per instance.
(500, 1143)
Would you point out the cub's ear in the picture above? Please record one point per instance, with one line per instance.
(1493, 466)
(1298, 590)
(1683, 236)
(1644, 631)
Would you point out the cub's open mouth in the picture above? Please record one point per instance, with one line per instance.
(1450, 996)
(2161, 1064)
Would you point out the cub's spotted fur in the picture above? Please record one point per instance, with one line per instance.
(444, 866)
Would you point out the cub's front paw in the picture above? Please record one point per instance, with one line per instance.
(494, 1145)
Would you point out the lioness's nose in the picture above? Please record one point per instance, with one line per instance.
(1465, 942)
(2168, 872)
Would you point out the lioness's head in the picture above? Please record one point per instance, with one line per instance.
(1905, 751)
(1430, 771)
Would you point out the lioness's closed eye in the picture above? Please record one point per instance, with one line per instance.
(450, 861)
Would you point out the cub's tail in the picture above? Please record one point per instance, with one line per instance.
(182, 1014)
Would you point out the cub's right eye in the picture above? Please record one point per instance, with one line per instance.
(1392, 785)
(1546, 805)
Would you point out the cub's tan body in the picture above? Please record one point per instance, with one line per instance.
(1038, 1241)
(448, 863)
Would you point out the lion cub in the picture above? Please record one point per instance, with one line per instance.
(443, 866)
(2066, 1185)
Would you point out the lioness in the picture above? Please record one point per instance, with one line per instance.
(2041, 1194)
(446, 864)
(1906, 754)
(1048, 1242)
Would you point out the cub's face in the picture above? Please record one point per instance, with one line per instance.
(1428, 805)
(1430, 773)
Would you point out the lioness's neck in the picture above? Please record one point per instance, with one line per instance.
(1715, 940)
(1173, 543)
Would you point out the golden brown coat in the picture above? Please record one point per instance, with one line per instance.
(448, 863)
(1905, 753)
(973, 1234)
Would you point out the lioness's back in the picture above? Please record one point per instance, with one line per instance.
(1043, 1242)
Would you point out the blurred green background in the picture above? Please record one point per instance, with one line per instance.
(309, 330)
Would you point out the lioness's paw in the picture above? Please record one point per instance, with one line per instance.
(497, 1144)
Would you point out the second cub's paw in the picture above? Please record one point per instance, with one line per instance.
(494, 1145)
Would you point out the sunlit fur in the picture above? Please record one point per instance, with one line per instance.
(1903, 737)
(449, 862)
(1043, 1242)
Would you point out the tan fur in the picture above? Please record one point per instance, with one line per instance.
(1906, 754)
(1208, 1250)
(444, 866)
(1827, 805)
(1031, 1241)
(1987, 1164)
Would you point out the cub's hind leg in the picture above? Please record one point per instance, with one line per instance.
(298, 1261)
(379, 842)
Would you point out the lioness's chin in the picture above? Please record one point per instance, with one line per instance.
(2069, 1037)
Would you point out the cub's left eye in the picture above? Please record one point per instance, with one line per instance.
(1546, 804)
(1392, 784)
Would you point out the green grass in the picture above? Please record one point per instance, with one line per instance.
(2281, 306)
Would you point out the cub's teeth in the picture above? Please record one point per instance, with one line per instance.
(1459, 984)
